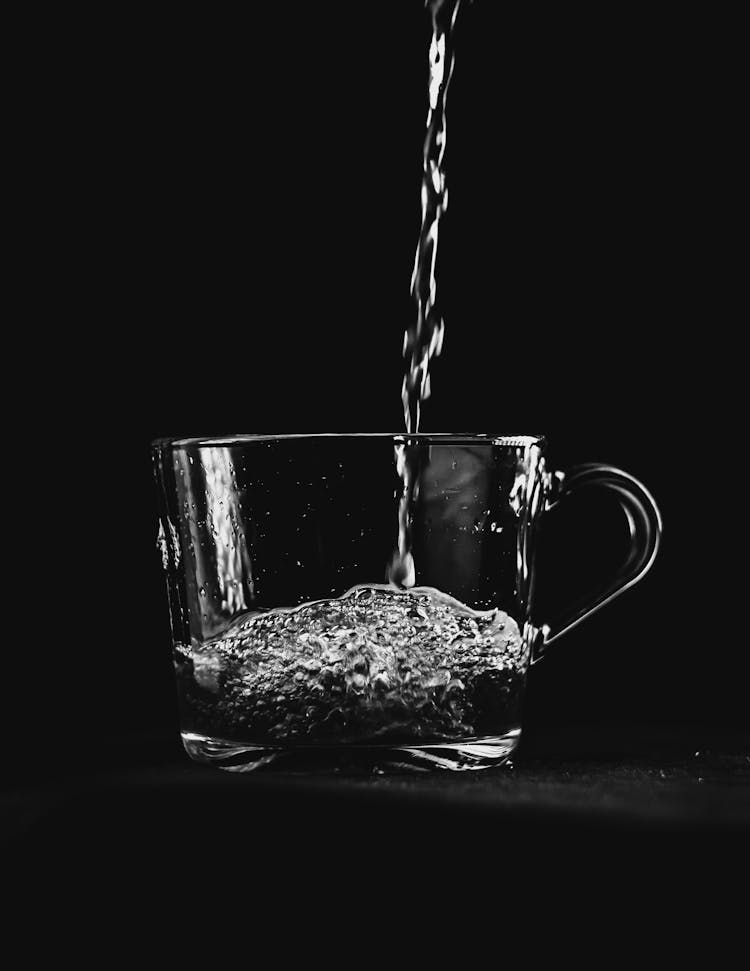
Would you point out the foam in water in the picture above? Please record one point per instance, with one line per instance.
(377, 665)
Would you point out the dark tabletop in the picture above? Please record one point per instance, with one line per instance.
(599, 821)
(611, 779)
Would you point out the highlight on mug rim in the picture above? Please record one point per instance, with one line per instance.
(455, 438)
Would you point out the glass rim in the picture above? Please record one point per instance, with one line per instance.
(456, 438)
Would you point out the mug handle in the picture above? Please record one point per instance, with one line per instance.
(644, 521)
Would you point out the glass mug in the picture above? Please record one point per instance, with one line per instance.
(291, 649)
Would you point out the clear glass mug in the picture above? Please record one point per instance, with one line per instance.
(291, 649)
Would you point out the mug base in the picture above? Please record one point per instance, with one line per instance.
(461, 756)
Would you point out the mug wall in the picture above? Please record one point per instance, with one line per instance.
(277, 523)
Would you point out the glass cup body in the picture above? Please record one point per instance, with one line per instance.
(253, 530)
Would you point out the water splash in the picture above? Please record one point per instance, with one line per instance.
(424, 339)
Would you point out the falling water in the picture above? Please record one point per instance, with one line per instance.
(424, 339)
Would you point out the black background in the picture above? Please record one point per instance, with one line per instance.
(229, 211)
(236, 240)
